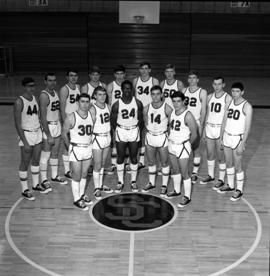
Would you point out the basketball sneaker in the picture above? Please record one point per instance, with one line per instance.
(218, 185)
(119, 187)
(236, 195)
(81, 204)
(68, 174)
(140, 166)
(224, 189)
(163, 191)
(40, 189)
(110, 170)
(97, 194)
(60, 180)
(134, 186)
(194, 178)
(185, 201)
(86, 199)
(207, 180)
(46, 185)
(106, 189)
(173, 194)
(149, 186)
(28, 195)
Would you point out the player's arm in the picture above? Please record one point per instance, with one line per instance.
(68, 124)
(155, 81)
(180, 85)
(162, 84)
(109, 90)
(104, 85)
(168, 110)
(84, 89)
(140, 114)
(93, 114)
(114, 114)
(224, 120)
(134, 82)
(63, 94)
(207, 106)
(203, 98)
(248, 111)
(145, 115)
(191, 123)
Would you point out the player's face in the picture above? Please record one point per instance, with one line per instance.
(145, 71)
(30, 87)
(95, 76)
(218, 85)
(127, 91)
(50, 82)
(84, 104)
(177, 103)
(193, 80)
(72, 77)
(119, 76)
(237, 93)
(101, 96)
(156, 96)
(169, 74)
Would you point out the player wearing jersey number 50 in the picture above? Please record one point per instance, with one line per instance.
(79, 125)
(234, 132)
(127, 121)
(183, 133)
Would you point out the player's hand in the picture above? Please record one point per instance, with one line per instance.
(51, 141)
(240, 149)
(27, 147)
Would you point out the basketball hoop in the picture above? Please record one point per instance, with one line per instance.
(138, 19)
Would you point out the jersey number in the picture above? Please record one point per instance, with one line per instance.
(85, 130)
(55, 106)
(105, 118)
(190, 101)
(125, 114)
(143, 91)
(72, 99)
(155, 120)
(175, 124)
(235, 114)
(168, 93)
(117, 94)
(215, 107)
(31, 111)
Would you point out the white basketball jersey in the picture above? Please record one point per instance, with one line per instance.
(193, 101)
(127, 113)
(157, 120)
(91, 88)
(102, 123)
(168, 90)
(53, 107)
(179, 131)
(116, 92)
(29, 114)
(71, 103)
(81, 133)
(142, 90)
(216, 109)
(236, 119)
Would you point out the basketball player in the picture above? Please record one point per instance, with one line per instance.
(68, 103)
(196, 101)
(79, 125)
(234, 131)
(156, 122)
(170, 84)
(51, 126)
(127, 121)
(94, 75)
(183, 133)
(217, 103)
(100, 112)
(142, 85)
(26, 116)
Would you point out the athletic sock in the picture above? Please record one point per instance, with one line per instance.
(134, 170)
(35, 175)
(187, 187)
(240, 181)
(66, 163)
(43, 164)
(96, 179)
(82, 186)
(75, 190)
(54, 167)
(211, 168)
(165, 175)
(196, 164)
(230, 177)
(23, 180)
(120, 172)
(152, 170)
(101, 174)
(177, 182)
(222, 171)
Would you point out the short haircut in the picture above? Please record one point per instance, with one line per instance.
(126, 82)
(95, 69)
(49, 74)
(219, 78)
(119, 68)
(71, 70)
(178, 94)
(238, 85)
(83, 95)
(27, 80)
(156, 87)
(145, 63)
(170, 66)
(193, 72)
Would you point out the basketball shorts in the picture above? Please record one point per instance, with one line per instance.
(55, 130)
(79, 153)
(156, 141)
(181, 151)
(232, 141)
(127, 135)
(101, 141)
(33, 137)
(212, 131)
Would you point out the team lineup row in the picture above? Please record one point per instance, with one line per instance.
(168, 119)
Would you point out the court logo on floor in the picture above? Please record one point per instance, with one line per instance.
(133, 212)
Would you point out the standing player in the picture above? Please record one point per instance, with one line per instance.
(216, 105)
(183, 133)
(26, 116)
(170, 84)
(68, 103)
(127, 121)
(234, 131)
(79, 125)
(142, 85)
(156, 122)
(196, 100)
(100, 112)
(50, 119)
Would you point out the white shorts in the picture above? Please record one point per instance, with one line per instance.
(77, 153)
(127, 135)
(212, 131)
(100, 141)
(55, 130)
(231, 141)
(156, 141)
(32, 137)
(181, 151)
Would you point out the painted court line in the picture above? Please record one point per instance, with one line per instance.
(131, 254)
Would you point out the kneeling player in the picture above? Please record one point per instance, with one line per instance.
(183, 132)
(156, 121)
(80, 126)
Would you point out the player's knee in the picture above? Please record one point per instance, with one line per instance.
(133, 159)
(97, 166)
(120, 159)
(24, 165)
(76, 176)
(44, 157)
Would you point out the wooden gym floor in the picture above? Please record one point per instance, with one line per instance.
(212, 236)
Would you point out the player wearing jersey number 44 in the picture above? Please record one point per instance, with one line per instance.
(234, 132)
